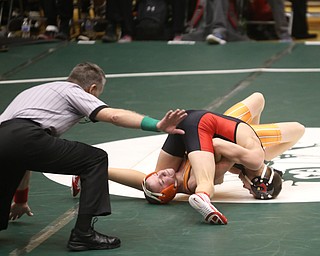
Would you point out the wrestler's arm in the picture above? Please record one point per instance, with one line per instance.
(127, 177)
(222, 166)
(24, 183)
(250, 158)
(20, 205)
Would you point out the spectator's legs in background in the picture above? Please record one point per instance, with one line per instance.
(300, 28)
(281, 23)
(65, 12)
(126, 20)
(112, 17)
(219, 21)
(178, 18)
(51, 14)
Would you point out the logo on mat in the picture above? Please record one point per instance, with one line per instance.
(301, 167)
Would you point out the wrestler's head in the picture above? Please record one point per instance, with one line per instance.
(160, 187)
(267, 186)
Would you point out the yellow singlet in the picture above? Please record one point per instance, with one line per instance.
(269, 134)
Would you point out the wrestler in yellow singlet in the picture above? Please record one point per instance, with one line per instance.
(269, 134)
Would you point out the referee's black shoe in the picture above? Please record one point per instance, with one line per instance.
(91, 240)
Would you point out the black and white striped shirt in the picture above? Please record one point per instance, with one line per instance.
(56, 106)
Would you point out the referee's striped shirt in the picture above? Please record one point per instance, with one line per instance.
(56, 106)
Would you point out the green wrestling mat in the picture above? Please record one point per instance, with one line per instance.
(151, 78)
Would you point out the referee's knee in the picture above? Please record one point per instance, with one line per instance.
(99, 157)
(102, 154)
(98, 154)
(102, 157)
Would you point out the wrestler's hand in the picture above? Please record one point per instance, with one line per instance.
(17, 210)
(169, 122)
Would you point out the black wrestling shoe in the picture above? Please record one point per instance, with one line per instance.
(91, 240)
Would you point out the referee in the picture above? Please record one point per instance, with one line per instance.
(29, 140)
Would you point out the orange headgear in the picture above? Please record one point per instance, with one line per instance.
(165, 196)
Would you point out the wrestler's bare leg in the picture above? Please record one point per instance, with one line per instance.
(203, 167)
(248, 110)
(290, 132)
(275, 138)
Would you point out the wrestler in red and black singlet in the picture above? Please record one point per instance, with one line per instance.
(200, 127)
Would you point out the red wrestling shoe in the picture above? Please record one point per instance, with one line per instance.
(75, 185)
(201, 203)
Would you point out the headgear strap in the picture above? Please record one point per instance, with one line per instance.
(261, 186)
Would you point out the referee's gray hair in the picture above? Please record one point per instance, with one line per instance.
(85, 74)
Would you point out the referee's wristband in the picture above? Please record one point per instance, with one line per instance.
(149, 124)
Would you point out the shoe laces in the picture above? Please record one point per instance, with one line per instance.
(203, 205)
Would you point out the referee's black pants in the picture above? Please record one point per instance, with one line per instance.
(24, 145)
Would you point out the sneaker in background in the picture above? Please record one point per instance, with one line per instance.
(50, 33)
(177, 37)
(125, 39)
(215, 39)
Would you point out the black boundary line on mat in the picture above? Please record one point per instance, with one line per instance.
(250, 78)
(32, 60)
(47, 232)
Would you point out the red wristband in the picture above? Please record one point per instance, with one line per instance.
(21, 196)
